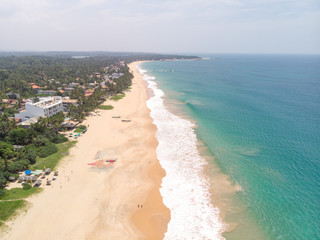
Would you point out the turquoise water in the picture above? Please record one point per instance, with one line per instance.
(260, 116)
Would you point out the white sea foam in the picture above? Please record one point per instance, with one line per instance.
(185, 190)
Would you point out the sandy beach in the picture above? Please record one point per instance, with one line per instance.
(86, 202)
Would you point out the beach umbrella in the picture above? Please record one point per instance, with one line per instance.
(37, 183)
(22, 178)
(12, 179)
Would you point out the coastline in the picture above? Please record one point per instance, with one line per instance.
(89, 203)
(152, 219)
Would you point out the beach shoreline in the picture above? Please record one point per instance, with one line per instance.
(152, 219)
(86, 202)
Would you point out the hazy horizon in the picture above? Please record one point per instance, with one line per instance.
(189, 26)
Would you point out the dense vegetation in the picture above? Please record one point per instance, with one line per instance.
(20, 147)
(19, 69)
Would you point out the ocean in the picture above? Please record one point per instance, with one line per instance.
(239, 140)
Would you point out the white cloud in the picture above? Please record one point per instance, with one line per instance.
(155, 25)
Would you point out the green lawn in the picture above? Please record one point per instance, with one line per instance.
(9, 208)
(117, 97)
(52, 160)
(19, 193)
(14, 200)
(105, 107)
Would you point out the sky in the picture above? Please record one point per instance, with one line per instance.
(161, 26)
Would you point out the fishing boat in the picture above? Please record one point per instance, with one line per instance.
(111, 160)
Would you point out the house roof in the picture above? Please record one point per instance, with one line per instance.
(69, 100)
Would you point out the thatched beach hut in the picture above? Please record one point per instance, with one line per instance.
(37, 183)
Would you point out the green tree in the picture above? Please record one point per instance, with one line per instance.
(21, 136)
(6, 153)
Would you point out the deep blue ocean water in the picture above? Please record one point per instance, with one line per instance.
(259, 115)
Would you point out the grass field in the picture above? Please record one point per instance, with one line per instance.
(53, 160)
(105, 107)
(9, 208)
(117, 97)
(19, 193)
(13, 200)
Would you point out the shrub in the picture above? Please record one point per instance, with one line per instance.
(21, 164)
(26, 186)
(6, 174)
(59, 139)
(31, 155)
(47, 150)
(40, 141)
(3, 181)
(2, 192)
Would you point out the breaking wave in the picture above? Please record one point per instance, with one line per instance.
(185, 188)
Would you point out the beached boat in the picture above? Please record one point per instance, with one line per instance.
(111, 160)
(116, 116)
(126, 120)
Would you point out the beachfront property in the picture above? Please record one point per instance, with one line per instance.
(68, 102)
(46, 107)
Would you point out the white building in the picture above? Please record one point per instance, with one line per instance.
(46, 107)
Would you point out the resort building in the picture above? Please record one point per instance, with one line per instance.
(46, 107)
(68, 102)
